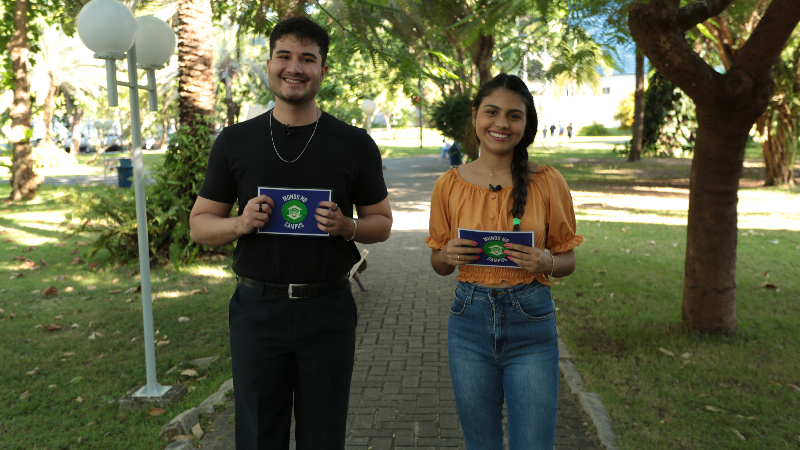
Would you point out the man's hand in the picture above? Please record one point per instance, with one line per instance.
(331, 220)
(255, 214)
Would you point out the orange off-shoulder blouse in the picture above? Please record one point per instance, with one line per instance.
(548, 213)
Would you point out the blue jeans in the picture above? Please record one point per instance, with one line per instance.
(502, 344)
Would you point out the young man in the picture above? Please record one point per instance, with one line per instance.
(292, 316)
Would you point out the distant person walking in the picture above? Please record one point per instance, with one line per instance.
(569, 132)
(552, 133)
(560, 133)
(446, 149)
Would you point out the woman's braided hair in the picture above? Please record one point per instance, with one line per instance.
(519, 165)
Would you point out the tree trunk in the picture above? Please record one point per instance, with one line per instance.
(77, 121)
(24, 181)
(232, 107)
(780, 148)
(290, 8)
(727, 106)
(638, 110)
(47, 109)
(481, 52)
(709, 290)
(195, 60)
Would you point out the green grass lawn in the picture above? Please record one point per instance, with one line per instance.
(619, 315)
(60, 386)
(622, 306)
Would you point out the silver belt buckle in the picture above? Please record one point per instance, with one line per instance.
(291, 294)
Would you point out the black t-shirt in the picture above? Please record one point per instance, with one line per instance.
(339, 157)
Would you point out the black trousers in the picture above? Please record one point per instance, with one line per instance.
(289, 351)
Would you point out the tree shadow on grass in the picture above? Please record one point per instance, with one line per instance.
(51, 234)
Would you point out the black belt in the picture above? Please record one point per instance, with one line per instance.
(295, 290)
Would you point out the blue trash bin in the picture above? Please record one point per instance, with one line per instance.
(125, 172)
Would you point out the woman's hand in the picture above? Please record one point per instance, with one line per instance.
(531, 259)
(459, 252)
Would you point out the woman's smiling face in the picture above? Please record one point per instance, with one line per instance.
(500, 121)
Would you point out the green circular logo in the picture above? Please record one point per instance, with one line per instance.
(494, 249)
(294, 211)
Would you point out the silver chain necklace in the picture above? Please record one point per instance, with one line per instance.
(304, 148)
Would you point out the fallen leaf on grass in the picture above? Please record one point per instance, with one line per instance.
(31, 248)
(9, 240)
(93, 335)
(739, 435)
(76, 260)
(94, 422)
(597, 284)
(52, 327)
(79, 399)
(12, 315)
(115, 291)
(774, 241)
(27, 265)
(665, 421)
(91, 288)
(195, 291)
(768, 285)
(665, 351)
(600, 271)
(16, 275)
(31, 372)
(68, 353)
(93, 265)
(76, 379)
(713, 408)
(52, 386)
(183, 319)
(156, 411)
(44, 263)
(134, 289)
(25, 395)
(160, 343)
(792, 387)
(686, 355)
(190, 373)
(775, 383)
(52, 291)
(594, 250)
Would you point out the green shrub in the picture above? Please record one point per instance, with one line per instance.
(111, 212)
(595, 129)
(450, 116)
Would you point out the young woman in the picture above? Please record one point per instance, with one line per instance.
(502, 334)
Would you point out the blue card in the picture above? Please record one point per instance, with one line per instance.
(294, 211)
(493, 245)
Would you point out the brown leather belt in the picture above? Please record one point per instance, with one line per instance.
(295, 290)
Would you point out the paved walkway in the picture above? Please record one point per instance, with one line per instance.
(401, 397)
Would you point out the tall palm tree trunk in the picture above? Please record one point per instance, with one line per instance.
(24, 181)
(780, 149)
(638, 110)
(195, 60)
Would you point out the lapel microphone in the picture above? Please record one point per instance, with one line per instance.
(287, 130)
(495, 188)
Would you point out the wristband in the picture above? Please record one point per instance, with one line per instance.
(355, 227)
(554, 264)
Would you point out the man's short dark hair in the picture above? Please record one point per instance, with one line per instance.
(305, 30)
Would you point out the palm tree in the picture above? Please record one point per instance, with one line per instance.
(195, 60)
(64, 63)
(24, 181)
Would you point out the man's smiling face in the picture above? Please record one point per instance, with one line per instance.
(295, 70)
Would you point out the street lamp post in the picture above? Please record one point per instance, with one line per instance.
(109, 29)
(369, 107)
